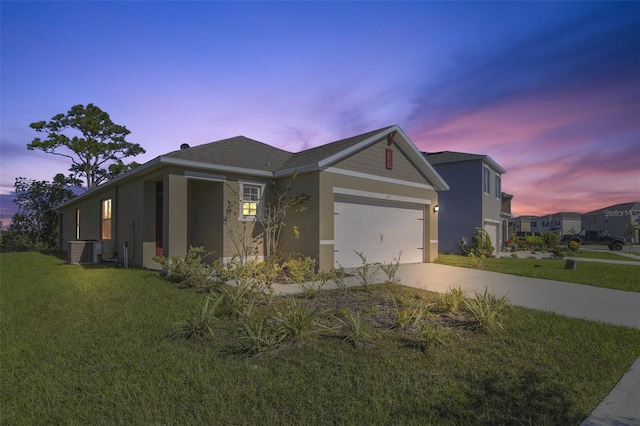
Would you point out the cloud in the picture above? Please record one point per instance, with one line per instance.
(559, 110)
(577, 55)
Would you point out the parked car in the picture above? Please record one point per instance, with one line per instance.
(596, 237)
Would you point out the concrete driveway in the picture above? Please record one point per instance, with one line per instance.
(572, 300)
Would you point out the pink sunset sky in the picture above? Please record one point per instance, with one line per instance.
(549, 90)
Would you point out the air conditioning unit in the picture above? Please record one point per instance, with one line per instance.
(83, 251)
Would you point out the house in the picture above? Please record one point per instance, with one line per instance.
(523, 223)
(622, 220)
(373, 193)
(562, 223)
(475, 199)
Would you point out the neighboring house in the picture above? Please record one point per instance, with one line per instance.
(523, 223)
(616, 220)
(374, 193)
(474, 200)
(506, 216)
(562, 223)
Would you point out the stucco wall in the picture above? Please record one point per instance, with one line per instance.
(461, 206)
(306, 241)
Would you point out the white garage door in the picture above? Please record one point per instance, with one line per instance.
(379, 229)
(492, 230)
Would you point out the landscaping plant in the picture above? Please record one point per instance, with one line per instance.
(488, 310)
(391, 270)
(366, 272)
(453, 299)
(356, 330)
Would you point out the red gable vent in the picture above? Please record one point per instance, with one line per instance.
(389, 159)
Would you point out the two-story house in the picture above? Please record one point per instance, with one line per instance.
(474, 200)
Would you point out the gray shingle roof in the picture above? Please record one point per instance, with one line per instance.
(443, 157)
(238, 151)
(449, 156)
(314, 155)
(243, 152)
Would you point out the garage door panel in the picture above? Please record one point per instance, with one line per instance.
(379, 229)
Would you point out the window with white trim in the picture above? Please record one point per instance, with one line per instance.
(250, 200)
(485, 181)
(105, 219)
(498, 186)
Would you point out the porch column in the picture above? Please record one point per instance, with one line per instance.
(174, 210)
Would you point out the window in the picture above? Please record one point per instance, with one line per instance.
(556, 222)
(77, 224)
(250, 197)
(534, 224)
(545, 223)
(105, 218)
(486, 184)
(497, 187)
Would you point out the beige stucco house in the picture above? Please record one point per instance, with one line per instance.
(373, 193)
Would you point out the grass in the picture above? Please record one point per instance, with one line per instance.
(617, 277)
(90, 346)
(589, 254)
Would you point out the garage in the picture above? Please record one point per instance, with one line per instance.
(379, 229)
(492, 230)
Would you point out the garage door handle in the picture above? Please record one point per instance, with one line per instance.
(381, 238)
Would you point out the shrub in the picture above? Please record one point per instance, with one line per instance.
(407, 314)
(338, 275)
(366, 272)
(487, 309)
(190, 271)
(298, 324)
(357, 332)
(559, 252)
(200, 323)
(573, 247)
(232, 301)
(453, 299)
(391, 270)
(481, 243)
(253, 275)
(535, 242)
(299, 270)
(258, 333)
(551, 239)
(431, 337)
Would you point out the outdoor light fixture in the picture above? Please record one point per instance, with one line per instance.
(436, 208)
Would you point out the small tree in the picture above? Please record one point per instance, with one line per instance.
(481, 243)
(96, 153)
(35, 225)
(630, 231)
(273, 216)
(551, 239)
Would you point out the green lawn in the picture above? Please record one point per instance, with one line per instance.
(588, 254)
(618, 277)
(89, 346)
